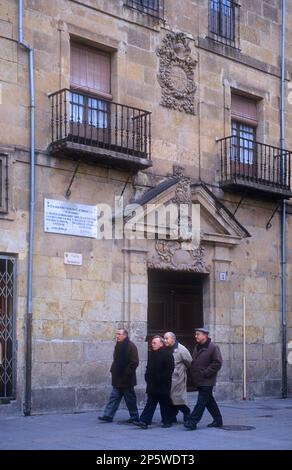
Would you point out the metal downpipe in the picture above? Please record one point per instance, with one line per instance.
(28, 326)
(283, 262)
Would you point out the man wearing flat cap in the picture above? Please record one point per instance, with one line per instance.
(207, 361)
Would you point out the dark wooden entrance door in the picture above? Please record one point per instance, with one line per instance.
(175, 303)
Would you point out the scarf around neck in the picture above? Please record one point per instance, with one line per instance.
(121, 355)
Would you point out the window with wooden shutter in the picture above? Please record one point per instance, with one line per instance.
(90, 74)
(90, 70)
(244, 109)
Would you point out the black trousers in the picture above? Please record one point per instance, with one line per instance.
(206, 400)
(184, 409)
(150, 407)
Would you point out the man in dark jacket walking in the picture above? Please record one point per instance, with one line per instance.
(158, 375)
(207, 361)
(123, 372)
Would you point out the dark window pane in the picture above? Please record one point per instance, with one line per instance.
(221, 18)
(243, 143)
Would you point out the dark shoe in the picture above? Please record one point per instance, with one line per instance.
(166, 425)
(187, 418)
(187, 424)
(140, 424)
(131, 420)
(107, 419)
(127, 421)
(191, 427)
(215, 424)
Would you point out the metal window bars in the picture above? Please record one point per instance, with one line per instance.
(224, 22)
(7, 327)
(154, 8)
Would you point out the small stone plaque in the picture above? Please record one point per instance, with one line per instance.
(74, 259)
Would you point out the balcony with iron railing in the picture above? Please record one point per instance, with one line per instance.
(255, 167)
(154, 8)
(90, 129)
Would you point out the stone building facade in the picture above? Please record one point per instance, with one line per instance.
(151, 103)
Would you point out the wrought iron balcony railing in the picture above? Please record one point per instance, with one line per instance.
(247, 163)
(99, 125)
(153, 8)
(224, 22)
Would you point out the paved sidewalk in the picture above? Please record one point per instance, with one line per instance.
(268, 422)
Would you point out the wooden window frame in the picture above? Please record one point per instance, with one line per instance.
(248, 149)
(85, 111)
(244, 113)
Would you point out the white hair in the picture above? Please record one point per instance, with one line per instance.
(170, 333)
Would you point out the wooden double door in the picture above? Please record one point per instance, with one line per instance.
(175, 303)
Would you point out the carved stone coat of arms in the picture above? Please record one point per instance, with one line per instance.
(176, 73)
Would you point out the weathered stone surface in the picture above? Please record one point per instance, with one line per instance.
(54, 289)
(79, 373)
(53, 399)
(224, 390)
(92, 398)
(57, 351)
(46, 375)
(236, 371)
(77, 309)
(98, 351)
(272, 388)
(87, 290)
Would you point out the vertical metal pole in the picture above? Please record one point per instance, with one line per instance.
(283, 264)
(244, 350)
(28, 349)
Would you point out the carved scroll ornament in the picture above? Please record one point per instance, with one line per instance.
(171, 256)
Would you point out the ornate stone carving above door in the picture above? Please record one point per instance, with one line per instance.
(170, 255)
(176, 73)
(183, 191)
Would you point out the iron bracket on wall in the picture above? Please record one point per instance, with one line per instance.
(68, 192)
(268, 224)
(240, 201)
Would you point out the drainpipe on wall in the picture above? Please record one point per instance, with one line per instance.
(28, 329)
(284, 306)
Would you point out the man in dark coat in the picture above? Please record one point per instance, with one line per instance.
(207, 361)
(123, 372)
(158, 375)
